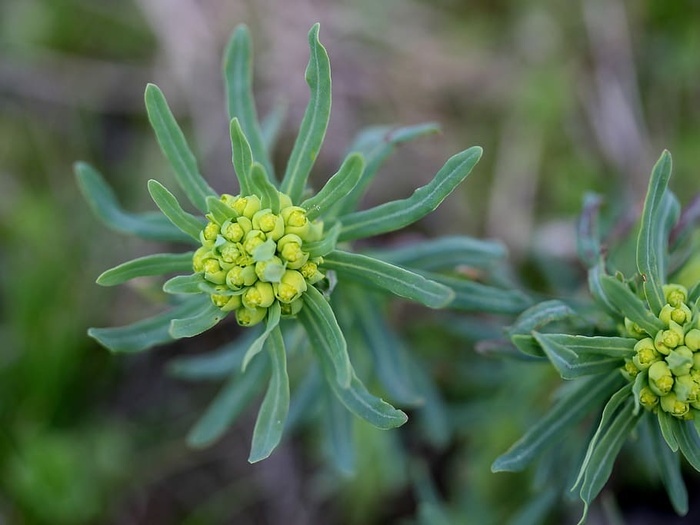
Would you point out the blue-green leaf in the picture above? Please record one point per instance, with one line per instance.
(595, 276)
(376, 144)
(272, 124)
(669, 467)
(652, 243)
(235, 395)
(241, 157)
(322, 327)
(315, 121)
(238, 81)
(269, 196)
(688, 441)
(397, 214)
(540, 315)
(338, 434)
(273, 321)
(269, 425)
(444, 253)
(168, 204)
(157, 264)
(337, 187)
(172, 142)
(385, 276)
(666, 422)
(576, 404)
(104, 204)
(576, 356)
(184, 284)
(202, 321)
(629, 305)
(587, 234)
(147, 332)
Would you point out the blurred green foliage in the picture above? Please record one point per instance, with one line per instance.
(527, 81)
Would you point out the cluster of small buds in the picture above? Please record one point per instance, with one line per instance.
(670, 358)
(253, 257)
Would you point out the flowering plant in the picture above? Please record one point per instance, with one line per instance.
(632, 358)
(277, 257)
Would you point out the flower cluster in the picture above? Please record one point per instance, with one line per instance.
(254, 257)
(669, 358)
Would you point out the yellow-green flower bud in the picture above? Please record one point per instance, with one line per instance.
(666, 340)
(230, 252)
(634, 330)
(240, 276)
(629, 371)
(647, 398)
(295, 221)
(671, 404)
(271, 270)
(660, 378)
(260, 295)
(291, 309)
(680, 360)
(229, 200)
(213, 272)
(289, 248)
(680, 314)
(233, 231)
(686, 389)
(310, 272)
(252, 240)
(270, 224)
(210, 231)
(692, 339)
(291, 286)
(646, 354)
(248, 317)
(199, 257)
(285, 200)
(675, 294)
(247, 206)
(227, 303)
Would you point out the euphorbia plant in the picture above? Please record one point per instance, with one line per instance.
(276, 256)
(633, 357)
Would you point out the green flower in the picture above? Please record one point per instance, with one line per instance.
(644, 377)
(279, 258)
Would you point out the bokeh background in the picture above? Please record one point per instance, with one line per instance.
(565, 97)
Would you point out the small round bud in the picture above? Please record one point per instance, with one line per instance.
(247, 206)
(260, 295)
(692, 339)
(660, 378)
(291, 286)
(227, 303)
(680, 314)
(252, 240)
(686, 389)
(634, 330)
(270, 224)
(240, 276)
(271, 270)
(232, 231)
(211, 230)
(199, 257)
(646, 354)
(295, 221)
(630, 371)
(248, 317)
(675, 294)
(290, 251)
(671, 404)
(213, 272)
(228, 200)
(293, 308)
(666, 340)
(647, 398)
(680, 360)
(311, 273)
(230, 252)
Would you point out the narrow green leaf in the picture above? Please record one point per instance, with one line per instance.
(433, 416)
(168, 204)
(576, 356)
(588, 234)
(172, 142)
(688, 441)
(576, 404)
(235, 395)
(471, 296)
(269, 425)
(326, 245)
(527, 345)
(397, 214)
(338, 434)
(147, 332)
(385, 276)
(356, 398)
(238, 81)
(376, 144)
(272, 124)
(606, 451)
(184, 284)
(630, 305)
(540, 315)
(219, 211)
(241, 157)
(640, 381)
(595, 276)
(445, 253)
(157, 264)
(666, 422)
(337, 187)
(202, 321)
(273, 321)
(218, 364)
(269, 196)
(669, 467)
(652, 243)
(103, 203)
(322, 327)
(610, 412)
(315, 121)
(305, 399)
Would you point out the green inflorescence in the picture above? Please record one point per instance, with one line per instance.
(669, 358)
(254, 257)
